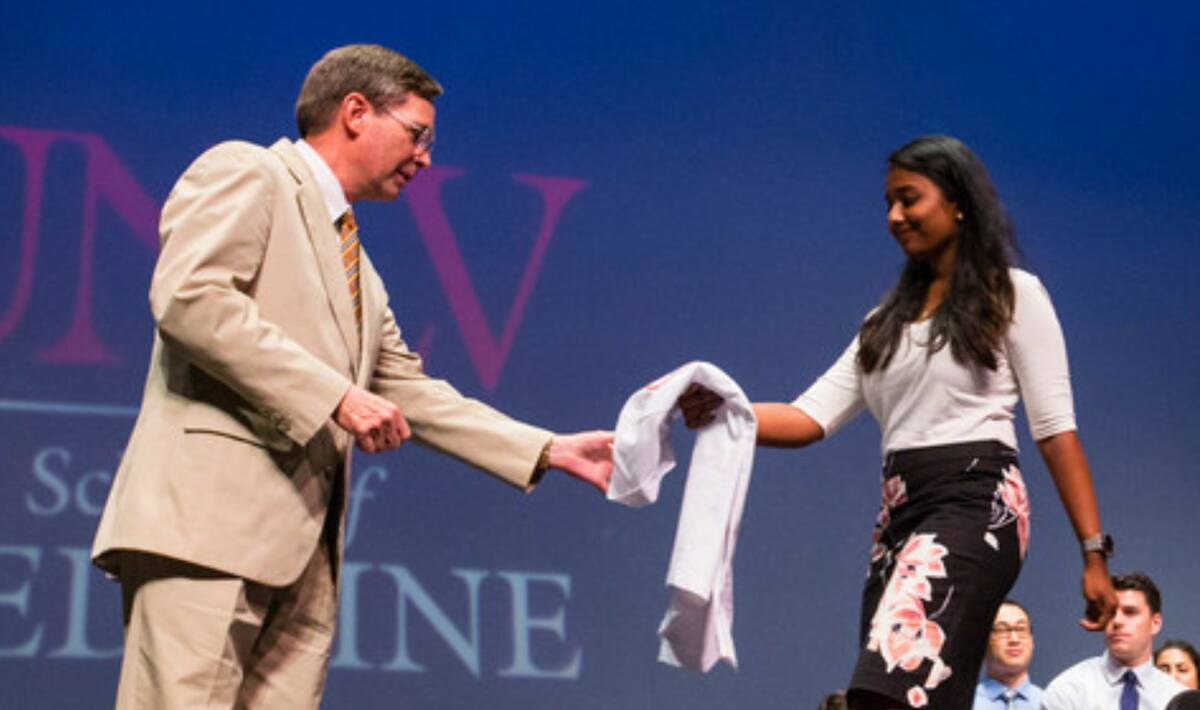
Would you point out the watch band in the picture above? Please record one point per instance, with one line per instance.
(1100, 542)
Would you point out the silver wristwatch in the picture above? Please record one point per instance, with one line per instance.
(1099, 542)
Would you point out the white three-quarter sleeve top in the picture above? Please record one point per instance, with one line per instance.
(922, 400)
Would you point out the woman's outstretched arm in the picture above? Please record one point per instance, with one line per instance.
(785, 426)
(780, 425)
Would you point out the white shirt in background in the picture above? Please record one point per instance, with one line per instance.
(1096, 684)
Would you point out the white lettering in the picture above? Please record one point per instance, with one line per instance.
(523, 625)
(19, 599)
(347, 633)
(361, 491)
(76, 644)
(466, 648)
(87, 504)
(44, 473)
(537, 601)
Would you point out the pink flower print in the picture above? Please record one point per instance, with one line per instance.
(921, 557)
(910, 638)
(900, 631)
(893, 494)
(1014, 498)
(937, 674)
(916, 587)
(877, 549)
(917, 697)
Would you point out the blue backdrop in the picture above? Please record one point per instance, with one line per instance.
(706, 182)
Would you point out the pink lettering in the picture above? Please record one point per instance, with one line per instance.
(105, 176)
(487, 354)
(107, 181)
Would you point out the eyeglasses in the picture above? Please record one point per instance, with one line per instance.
(1003, 630)
(422, 136)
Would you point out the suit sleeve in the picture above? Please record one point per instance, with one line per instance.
(216, 226)
(445, 420)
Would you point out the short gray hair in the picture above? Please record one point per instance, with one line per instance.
(385, 77)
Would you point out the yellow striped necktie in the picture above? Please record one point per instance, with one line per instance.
(348, 231)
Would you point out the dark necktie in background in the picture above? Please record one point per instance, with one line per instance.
(1129, 696)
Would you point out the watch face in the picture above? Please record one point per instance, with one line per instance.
(1100, 543)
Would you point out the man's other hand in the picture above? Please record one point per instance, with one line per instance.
(375, 423)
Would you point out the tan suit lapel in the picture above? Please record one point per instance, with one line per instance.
(372, 307)
(326, 248)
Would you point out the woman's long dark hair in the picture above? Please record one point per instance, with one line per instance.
(977, 308)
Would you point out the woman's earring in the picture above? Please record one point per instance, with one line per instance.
(959, 216)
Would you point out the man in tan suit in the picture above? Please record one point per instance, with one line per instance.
(275, 353)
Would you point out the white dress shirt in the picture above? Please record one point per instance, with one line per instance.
(697, 629)
(1096, 684)
(331, 190)
(921, 400)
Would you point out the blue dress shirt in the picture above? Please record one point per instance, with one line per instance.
(989, 695)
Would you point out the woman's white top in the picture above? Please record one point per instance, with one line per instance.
(922, 400)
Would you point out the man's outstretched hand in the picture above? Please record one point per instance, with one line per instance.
(375, 423)
(378, 425)
(586, 456)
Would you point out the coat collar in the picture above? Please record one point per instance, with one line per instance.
(325, 243)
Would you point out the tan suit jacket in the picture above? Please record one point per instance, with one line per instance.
(233, 459)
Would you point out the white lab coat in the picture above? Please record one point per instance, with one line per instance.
(697, 629)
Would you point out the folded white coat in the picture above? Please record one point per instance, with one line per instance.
(697, 630)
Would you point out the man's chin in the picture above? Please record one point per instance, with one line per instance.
(1122, 654)
(385, 192)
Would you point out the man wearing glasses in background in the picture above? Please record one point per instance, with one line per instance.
(276, 352)
(1006, 684)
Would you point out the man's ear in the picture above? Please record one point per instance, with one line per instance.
(1155, 624)
(352, 113)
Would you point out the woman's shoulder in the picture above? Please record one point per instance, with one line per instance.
(1027, 285)
(1031, 300)
(1022, 279)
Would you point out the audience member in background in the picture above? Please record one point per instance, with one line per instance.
(1180, 660)
(835, 701)
(1006, 684)
(1187, 700)
(1123, 676)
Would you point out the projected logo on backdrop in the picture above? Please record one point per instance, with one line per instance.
(107, 179)
(69, 494)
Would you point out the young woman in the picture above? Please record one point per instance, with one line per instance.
(941, 363)
(1179, 660)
